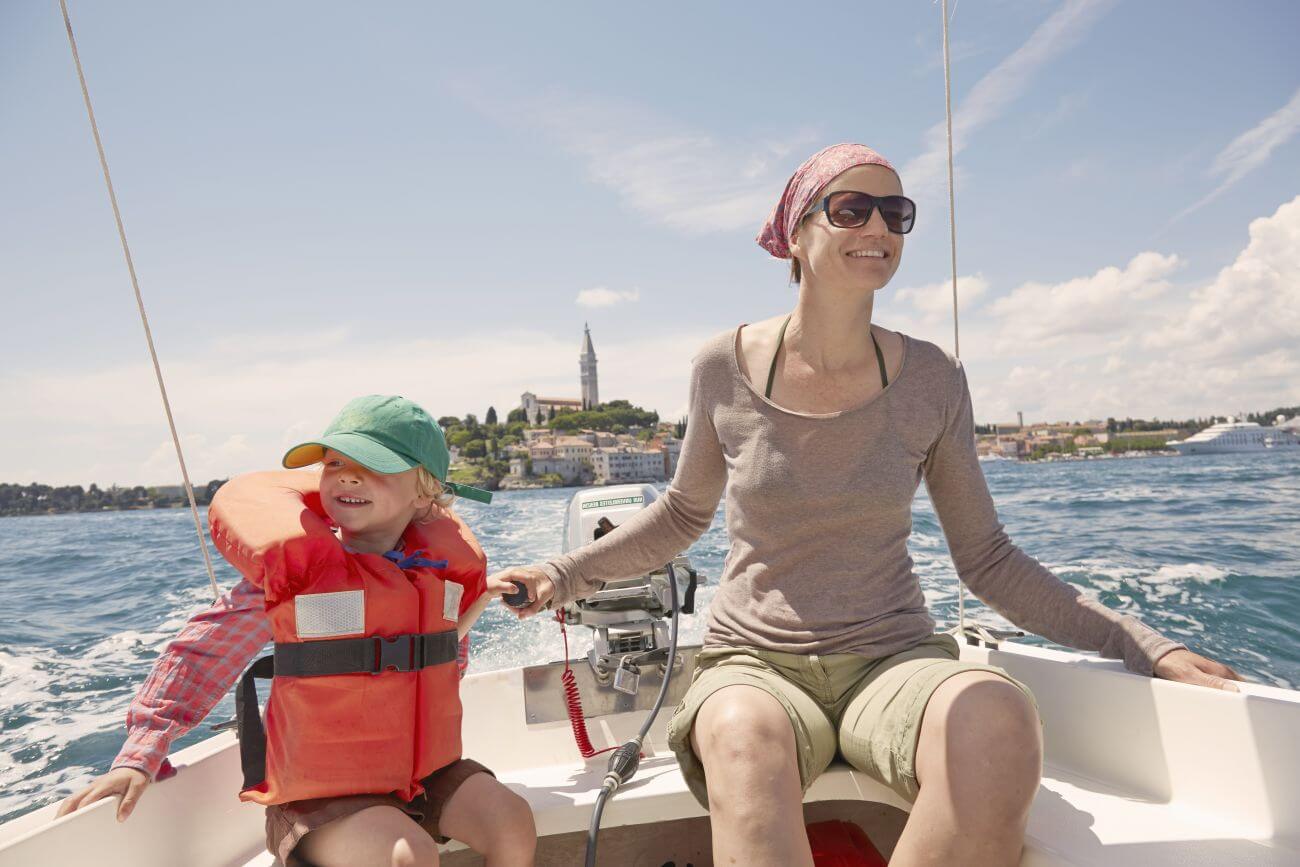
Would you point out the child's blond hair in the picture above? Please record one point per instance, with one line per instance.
(427, 485)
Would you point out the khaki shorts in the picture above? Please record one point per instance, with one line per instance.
(287, 824)
(866, 710)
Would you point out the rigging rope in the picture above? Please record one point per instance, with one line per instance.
(952, 228)
(139, 301)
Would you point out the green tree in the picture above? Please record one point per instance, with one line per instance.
(491, 417)
(518, 414)
(475, 449)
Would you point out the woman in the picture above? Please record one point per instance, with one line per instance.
(820, 426)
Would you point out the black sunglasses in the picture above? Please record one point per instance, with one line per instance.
(849, 209)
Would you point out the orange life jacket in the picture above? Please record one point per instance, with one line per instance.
(365, 696)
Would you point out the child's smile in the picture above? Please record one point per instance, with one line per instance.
(351, 501)
(373, 506)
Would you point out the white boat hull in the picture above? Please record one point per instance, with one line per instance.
(1137, 772)
(1269, 446)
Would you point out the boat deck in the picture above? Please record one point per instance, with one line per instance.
(1138, 772)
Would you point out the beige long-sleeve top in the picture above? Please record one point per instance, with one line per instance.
(819, 510)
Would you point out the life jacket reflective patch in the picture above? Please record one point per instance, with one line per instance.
(451, 594)
(330, 615)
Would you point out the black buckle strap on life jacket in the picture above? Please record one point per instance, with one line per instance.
(251, 733)
(374, 655)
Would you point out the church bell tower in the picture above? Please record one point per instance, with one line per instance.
(587, 370)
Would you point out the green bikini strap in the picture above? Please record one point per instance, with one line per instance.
(780, 337)
(880, 359)
(771, 374)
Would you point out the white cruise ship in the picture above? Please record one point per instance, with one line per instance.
(1237, 436)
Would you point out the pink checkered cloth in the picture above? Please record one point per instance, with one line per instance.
(199, 667)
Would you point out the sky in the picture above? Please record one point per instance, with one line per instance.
(329, 199)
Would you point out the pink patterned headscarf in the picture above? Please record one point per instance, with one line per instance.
(802, 189)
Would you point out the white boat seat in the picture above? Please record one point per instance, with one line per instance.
(1088, 824)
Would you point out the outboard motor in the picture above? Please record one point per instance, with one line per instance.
(629, 615)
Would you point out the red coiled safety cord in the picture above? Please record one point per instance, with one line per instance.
(573, 700)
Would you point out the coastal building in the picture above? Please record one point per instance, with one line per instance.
(623, 463)
(579, 447)
(994, 446)
(1049, 439)
(573, 471)
(598, 456)
(670, 447)
(539, 409)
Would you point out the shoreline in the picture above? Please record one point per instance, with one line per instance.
(1053, 458)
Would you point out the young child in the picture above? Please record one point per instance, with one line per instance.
(358, 761)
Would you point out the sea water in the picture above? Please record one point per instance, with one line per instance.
(1204, 548)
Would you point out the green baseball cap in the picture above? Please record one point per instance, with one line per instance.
(387, 435)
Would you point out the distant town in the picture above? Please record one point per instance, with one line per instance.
(1126, 437)
(562, 441)
(548, 442)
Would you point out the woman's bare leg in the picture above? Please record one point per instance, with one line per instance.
(373, 837)
(492, 820)
(744, 739)
(978, 760)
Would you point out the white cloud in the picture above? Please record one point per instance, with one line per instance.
(1253, 306)
(680, 177)
(238, 412)
(235, 450)
(988, 99)
(1101, 307)
(602, 296)
(934, 300)
(1126, 341)
(1250, 150)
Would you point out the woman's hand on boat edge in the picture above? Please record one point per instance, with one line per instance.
(539, 584)
(1187, 667)
(127, 782)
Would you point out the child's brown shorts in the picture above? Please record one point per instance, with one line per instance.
(287, 824)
